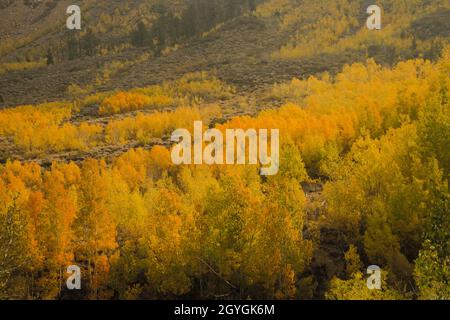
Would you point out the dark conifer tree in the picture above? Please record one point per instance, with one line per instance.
(50, 59)
(140, 37)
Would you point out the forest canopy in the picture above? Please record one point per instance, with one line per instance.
(375, 138)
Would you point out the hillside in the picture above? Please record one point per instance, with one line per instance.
(250, 50)
(87, 175)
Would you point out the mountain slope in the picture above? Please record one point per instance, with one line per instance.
(250, 49)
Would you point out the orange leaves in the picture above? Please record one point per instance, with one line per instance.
(141, 225)
(160, 156)
(39, 131)
(60, 214)
(192, 88)
(47, 128)
(127, 101)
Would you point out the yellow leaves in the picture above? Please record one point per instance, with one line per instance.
(201, 85)
(192, 88)
(29, 173)
(171, 239)
(56, 138)
(133, 167)
(47, 128)
(42, 128)
(288, 281)
(352, 261)
(318, 28)
(95, 99)
(51, 135)
(160, 156)
(356, 289)
(145, 127)
(336, 28)
(96, 226)
(271, 7)
(158, 228)
(88, 135)
(363, 97)
(125, 102)
(17, 180)
(81, 213)
(19, 66)
(55, 225)
(379, 197)
(12, 121)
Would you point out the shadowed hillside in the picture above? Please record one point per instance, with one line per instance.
(251, 46)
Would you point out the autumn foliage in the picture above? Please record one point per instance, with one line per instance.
(140, 227)
(123, 101)
(190, 89)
